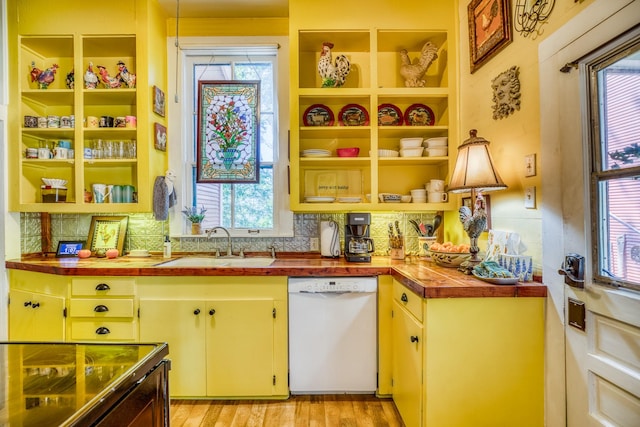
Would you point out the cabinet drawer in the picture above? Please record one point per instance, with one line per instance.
(101, 286)
(101, 307)
(408, 300)
(103, 331)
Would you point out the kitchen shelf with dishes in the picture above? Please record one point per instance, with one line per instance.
(57, 109)
(370, 113)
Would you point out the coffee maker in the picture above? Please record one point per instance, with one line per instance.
(358, 246)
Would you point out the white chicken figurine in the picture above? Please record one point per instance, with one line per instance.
(474, 224)
(90, 78)
(412, 72)
(333, 75)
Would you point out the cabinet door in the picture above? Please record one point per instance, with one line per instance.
(240, 348)
(181, 324)
(35, 317)
(407, 365)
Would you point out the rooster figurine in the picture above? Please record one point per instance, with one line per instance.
(44, 78)
(90, 78)
(413, 72)
(333, 75)
(108, 81)
(124, 76)
(474, 224)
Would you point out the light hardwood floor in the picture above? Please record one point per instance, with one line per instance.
(308, 410)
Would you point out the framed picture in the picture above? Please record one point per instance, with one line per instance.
(107, 232)
(158, 101)
(489, 30)
(466, 201)
(159, 137)
(228, 140)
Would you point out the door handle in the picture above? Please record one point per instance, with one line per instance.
(102, 287)
(414, 338)
(101, 308)
(103, 330)
(573, 270)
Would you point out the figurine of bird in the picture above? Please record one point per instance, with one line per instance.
(124, 76)
(70, 80)
(90, 78)
(412, 72)
(333, 75)
(44, 78)
(474, 223)
(108, 81)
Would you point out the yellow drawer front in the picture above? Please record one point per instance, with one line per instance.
(101, 286)
(408, 300)
(102, 331)
(101, 307)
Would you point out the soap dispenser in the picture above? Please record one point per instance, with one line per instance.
(167, 247)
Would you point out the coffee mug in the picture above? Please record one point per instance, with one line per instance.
(120, 122)
(117, 194)
(30, 121)
(32, 153)
(438, 197)
(44, 153)
(65, 122)
(53, 121)
(60, 153)
(130, 121)
(88, 154)
(100, 193)
(128, 194)
(106, 122)
(437, 185)
(92, 122)
(64, 143)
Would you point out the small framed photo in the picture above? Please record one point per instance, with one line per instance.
(158, 101)
(159, 137)
(69, 248)
(466, 201)
(107, 232)
(489, 30)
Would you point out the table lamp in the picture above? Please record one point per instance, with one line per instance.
(474, 172)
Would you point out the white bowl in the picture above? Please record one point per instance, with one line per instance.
(55, 182)
(410, 142)
(388, 153)
(440, 141)
(405, 199)
(436, 151)
(411, 152)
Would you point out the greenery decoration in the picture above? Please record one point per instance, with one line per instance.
(193, 214)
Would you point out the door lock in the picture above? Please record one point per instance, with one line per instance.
(573, 270)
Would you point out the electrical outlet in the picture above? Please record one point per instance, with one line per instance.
(314, 244)
(530, 197)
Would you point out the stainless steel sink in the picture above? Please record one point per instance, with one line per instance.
(200, 261)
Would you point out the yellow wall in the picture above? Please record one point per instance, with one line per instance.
(513, 137)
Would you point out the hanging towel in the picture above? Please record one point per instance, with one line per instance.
(161, 199)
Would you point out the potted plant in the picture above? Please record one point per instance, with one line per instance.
(195, 217)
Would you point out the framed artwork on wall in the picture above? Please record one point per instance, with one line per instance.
(489, 30)
(466, 201)
(107, 232)
(228, 139)
(158, 101)
(159, 137)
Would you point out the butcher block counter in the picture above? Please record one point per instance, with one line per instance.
(424, 278)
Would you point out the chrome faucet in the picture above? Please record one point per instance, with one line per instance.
(229, 247)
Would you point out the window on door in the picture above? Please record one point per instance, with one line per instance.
(614, 91)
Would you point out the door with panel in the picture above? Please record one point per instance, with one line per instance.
(36, 317)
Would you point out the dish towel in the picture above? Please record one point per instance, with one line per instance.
(163, 198)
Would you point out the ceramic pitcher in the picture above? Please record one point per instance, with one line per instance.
(100, 192)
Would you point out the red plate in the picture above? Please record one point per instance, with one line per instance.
(318, 115)
(389, 115)
(353, 115)
(419, 115)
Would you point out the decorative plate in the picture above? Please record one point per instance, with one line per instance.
(353, 115)
(497, 280)
(318, 115)
(389, 115)
(419, 115)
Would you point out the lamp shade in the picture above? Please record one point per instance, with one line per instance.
(474, 169)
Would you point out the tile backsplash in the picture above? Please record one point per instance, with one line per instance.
(144, 232)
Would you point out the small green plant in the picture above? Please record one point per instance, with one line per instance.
(193, 214)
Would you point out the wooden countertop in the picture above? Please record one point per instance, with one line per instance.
(424, 278)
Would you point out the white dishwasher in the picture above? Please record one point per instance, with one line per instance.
(333, 335)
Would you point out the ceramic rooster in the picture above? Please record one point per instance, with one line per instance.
(333, 74)
(412, 72)
(90, 78)
(70, 80)
(108, 81)
(44, 78)
(474, 224)
(124, 76)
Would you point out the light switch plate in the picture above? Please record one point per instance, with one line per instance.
(314, 244)
(530, 165)
(530, 197)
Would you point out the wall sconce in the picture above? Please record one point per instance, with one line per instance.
(527, 17)
(474, 172)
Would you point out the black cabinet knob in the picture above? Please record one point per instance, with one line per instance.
(101, 308)
(102, 330)
(196, 311)
(212, 311)
(404, 297)
(27, 303)
(414, 338)
(35, 305)
(102, 287)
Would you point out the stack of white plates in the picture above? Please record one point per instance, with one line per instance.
(319, 199)
(349, 199)
(315, 152)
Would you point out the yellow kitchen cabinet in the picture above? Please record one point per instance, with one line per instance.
(482, 360)
(227, 336)
(36, 306)
(321, 117)
(71, 42)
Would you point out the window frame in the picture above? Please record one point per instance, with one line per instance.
(181, 130)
